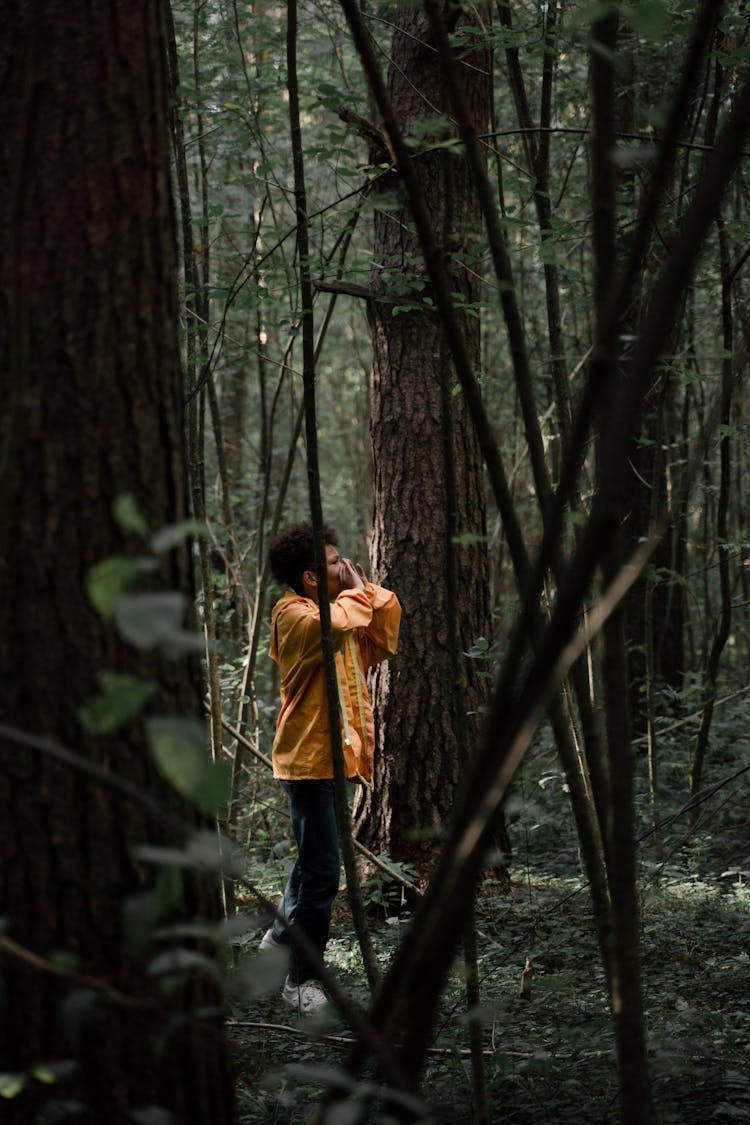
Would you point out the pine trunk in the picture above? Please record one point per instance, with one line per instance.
(418, 764)
(91, 410)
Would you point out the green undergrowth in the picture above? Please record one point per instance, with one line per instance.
(550, 1058)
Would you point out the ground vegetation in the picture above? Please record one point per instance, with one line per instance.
(568, 192)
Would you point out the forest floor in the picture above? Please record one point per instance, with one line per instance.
(550, 1058)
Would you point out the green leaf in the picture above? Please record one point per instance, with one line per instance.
(149, 619)
(175, 533)
(594, 11)
(121, 699)
(479, 649)
(195, 931)
(142, 912)
(241, 925)
(58, 1110)
(325, 1075)
(151, 1115)
(168, 857)
(648, 18)
(66, 960)
(330, 91)
(11, 1085)
(204, 851)
(50, 1072)
(181, 754)
(126, 513)
(173, 961)
(108, 580)
(346, 1113)
(633, 155)
(78, 1009)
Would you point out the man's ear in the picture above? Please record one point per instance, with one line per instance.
(309, 578)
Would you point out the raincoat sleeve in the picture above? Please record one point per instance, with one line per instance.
(352, 610)
(380, 639)
(295, 634)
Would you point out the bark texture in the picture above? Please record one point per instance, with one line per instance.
(91, 410)
(418, 763)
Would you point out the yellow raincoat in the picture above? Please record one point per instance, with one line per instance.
(365, 627)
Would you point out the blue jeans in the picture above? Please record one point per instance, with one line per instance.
(314, 879)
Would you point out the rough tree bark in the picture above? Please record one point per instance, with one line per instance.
(418, 765)
(91, 410)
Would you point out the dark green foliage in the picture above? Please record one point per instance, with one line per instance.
(552, 1058)
(247, 220)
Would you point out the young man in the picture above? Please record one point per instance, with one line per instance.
(364, 622)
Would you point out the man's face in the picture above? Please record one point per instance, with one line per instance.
(333, 567)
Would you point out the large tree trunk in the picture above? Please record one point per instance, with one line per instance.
(91, 410)
(419, 711)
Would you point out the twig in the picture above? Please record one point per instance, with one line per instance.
(694, 715)
(355, 1019)
(350, 289)
(77, 761)
(434, 1052)
(43, 965)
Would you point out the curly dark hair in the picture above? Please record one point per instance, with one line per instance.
(292, 552)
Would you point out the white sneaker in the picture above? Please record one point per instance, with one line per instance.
(306, 997)
(269, 941)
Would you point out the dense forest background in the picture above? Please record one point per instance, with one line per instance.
(470, 284)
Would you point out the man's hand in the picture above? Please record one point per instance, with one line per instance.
(351, 577)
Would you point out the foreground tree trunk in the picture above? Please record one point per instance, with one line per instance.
(418, 764)
(91, 411)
